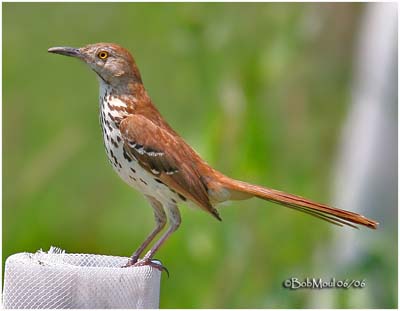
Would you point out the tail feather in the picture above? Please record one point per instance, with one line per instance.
(239, 189)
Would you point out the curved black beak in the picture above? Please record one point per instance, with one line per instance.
(67, 51)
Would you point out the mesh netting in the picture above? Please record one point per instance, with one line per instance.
(59, 280)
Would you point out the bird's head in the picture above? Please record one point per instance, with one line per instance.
(112, 63)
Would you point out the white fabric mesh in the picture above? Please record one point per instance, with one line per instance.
(59, 280)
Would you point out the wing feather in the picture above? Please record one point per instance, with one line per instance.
(167, 157)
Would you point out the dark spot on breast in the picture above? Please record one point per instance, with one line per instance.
(119, 139)
(126, 156)
(114, 143)
(131, 177)
(143, 181)
(173, 201)
(182, 197)
(108, 125)
(116, 163)
(159, 181)
(110, 116)
(133, 170)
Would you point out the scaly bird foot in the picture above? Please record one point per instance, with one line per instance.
(154, 263)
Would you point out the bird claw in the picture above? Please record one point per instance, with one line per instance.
(154, 263)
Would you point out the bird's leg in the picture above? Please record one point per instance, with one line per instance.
(161, 219)
(175, 220)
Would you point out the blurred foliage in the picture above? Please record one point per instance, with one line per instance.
(259, 90)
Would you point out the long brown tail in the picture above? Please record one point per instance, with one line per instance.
(241, 190)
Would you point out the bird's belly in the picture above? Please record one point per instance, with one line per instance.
(128, 168)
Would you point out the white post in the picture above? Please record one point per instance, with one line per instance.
(74, 281)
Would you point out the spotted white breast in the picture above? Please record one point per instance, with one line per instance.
(126, 166)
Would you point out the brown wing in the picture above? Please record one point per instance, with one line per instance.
(167, 157)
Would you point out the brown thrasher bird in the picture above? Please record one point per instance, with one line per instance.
(152, 158)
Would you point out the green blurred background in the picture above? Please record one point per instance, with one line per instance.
(259, 90)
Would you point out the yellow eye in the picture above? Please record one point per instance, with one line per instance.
(102, 54)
